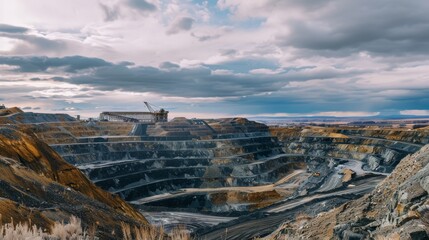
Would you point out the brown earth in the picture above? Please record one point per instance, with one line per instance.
(255, 199)
(36, 184)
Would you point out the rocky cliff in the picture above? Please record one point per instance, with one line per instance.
(398, 208)
(37, 185)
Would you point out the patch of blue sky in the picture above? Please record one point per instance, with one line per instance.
(223, 17)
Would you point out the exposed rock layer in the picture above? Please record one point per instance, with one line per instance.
(37, 184)
(398, 208)
(221, 165)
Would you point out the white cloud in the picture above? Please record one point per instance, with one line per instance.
(51, 14)
(415, 112)
(222, 72)
(265, 71)
(317, 114)
(327, 57)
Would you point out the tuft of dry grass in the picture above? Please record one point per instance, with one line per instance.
(60, 231)
(20, 231)
(73, 231)
(153, 233)
(180, 233)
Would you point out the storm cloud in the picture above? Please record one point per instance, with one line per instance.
(142, 5)
(171, 80)
(240, 56)
(181, 24)
(40, 64)
(183, 82)
(380, 27)
(12, 29)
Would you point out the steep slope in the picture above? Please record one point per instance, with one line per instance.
(9, 111)
(15, 115)
(36, 184)
(398, 208)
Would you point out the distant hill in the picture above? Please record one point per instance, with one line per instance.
(16, 115)
(9, 111)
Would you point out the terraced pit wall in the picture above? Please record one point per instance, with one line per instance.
(173, 156)
(198, 154)
(226, 166)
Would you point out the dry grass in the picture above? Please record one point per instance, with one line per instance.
(180, 233)
(73, 231)
(10, 231)
(60, 231)
(152, 233)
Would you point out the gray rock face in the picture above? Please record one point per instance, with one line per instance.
(419, 235)
(390, 156)
(379, 154)
(398, 208)
(373, 163)
(424, 183)
(407, 215)
(349, 235)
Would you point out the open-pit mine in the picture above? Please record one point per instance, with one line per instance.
(228, 178)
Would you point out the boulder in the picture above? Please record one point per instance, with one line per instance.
(373, 163)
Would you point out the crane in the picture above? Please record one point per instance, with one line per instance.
(160, 116)
(149, 107)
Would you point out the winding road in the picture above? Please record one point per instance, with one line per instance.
(191, 221)
(273, 216)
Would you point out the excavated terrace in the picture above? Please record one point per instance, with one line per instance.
(227, 167)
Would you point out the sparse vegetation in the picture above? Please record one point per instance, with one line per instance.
(73, 231)
(60, 231)
(153, 233)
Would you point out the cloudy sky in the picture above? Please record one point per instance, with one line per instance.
(216, 58)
